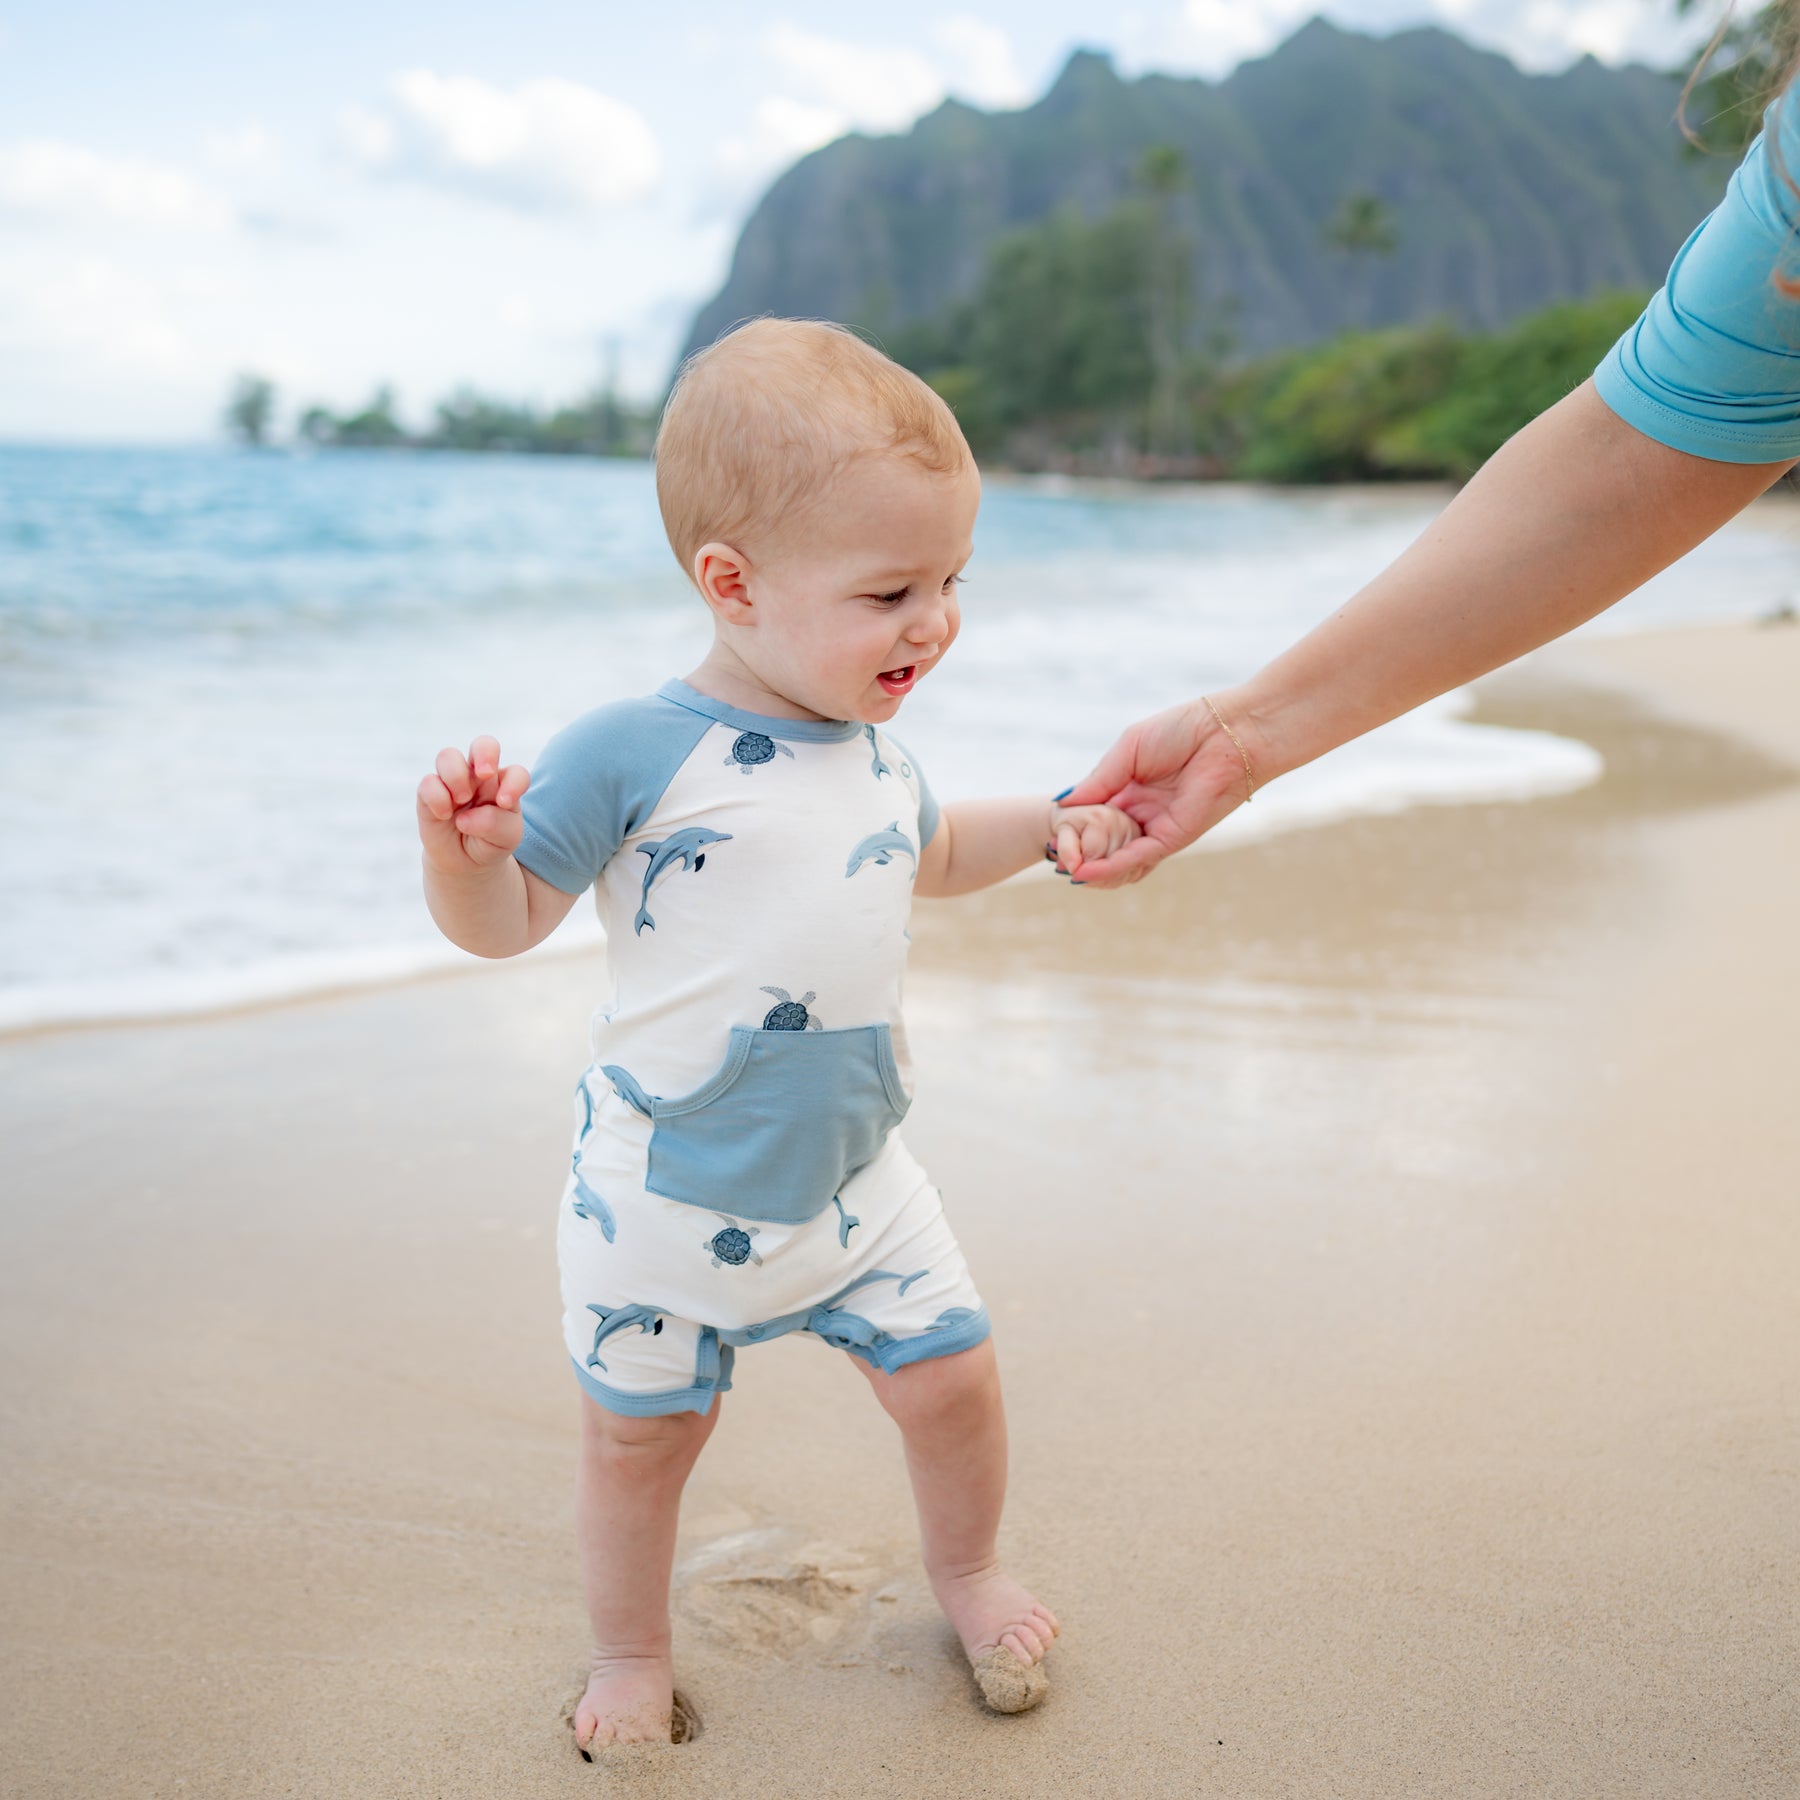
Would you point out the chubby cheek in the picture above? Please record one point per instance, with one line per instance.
(953, 624)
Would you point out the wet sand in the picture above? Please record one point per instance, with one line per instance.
(1391, 1238)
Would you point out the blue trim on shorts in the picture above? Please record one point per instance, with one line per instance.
(697, 1398)
(943, 1340)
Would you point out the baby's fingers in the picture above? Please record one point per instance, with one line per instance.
(453, 772)
(1068, 848)
(435, 802)
(513, 783)
(484, 758)
(490, 825)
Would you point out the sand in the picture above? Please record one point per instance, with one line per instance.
(1390, 1233)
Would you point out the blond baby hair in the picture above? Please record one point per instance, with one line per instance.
(757, 424)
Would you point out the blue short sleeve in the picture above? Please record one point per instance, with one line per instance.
(1713, 365)
(597, 782)
(928, 808)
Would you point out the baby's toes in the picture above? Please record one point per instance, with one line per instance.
(1023, 1642)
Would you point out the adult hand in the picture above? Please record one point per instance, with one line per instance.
(1176, 775)
(469, 809)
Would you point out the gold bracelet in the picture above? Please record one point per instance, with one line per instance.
(1249, 775)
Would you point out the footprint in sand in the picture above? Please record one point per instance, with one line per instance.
(773, 1591)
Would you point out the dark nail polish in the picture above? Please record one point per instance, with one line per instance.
(1064, 794)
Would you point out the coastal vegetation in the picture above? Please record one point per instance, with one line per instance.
(601, 424)
(1355, 259)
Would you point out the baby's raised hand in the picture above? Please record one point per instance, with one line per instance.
(469, 809)
(1086, 833)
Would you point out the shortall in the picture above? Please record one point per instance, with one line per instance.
(737, 1171)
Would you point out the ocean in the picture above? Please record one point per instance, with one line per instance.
(227, 672)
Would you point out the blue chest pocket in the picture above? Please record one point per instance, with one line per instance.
(788, 1118)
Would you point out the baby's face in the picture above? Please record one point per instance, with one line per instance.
(856, 603)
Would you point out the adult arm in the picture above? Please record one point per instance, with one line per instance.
(1566, 518)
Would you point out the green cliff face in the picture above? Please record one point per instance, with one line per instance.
(1507, 191)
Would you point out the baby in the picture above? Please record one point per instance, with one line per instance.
(755, 839)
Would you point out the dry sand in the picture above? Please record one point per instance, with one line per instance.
(1391, 1237)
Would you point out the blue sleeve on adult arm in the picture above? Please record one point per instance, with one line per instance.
(597, 781)
(1713, 365)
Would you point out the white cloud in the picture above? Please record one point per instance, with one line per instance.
(251, 146)
(874, 89)
(70, 183)
(93, 309)
(781, 130)
(980, 60)
(544, 145)
(830, 86)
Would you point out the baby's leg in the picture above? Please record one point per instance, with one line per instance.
(950, 1415)
(627, 1502)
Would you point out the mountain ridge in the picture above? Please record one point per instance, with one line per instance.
(1510, 190)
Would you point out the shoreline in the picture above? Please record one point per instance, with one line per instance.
(228, 993)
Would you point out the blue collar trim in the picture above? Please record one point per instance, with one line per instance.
(803, 731)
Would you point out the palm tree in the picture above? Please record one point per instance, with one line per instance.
(1365, 230)
(251, 410)
(1162, 173)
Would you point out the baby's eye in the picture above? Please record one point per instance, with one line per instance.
(895, 597)
(953, 582)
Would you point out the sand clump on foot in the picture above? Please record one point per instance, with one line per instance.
(1007, 1684)
(683, 1727)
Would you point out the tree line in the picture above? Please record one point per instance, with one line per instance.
(1091, 346)
(601, 424)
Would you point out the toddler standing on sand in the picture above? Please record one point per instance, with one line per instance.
(755, 840)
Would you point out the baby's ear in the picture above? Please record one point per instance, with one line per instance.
(722, 575)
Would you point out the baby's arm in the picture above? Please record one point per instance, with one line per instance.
(469, 824)
(980, 842)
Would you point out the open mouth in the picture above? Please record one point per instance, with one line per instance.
(898, 681)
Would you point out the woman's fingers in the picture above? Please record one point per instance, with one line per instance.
(1115, 770)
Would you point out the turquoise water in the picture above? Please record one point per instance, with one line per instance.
(229, 671)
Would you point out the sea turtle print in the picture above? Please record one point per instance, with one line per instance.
(731, 1248)
(847, 1222)
(682, 849)
(751, 748)
(791, 1014)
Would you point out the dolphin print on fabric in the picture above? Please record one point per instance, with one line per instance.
(684, 849)
(619, 1318)
(877, 765)
(847, 1222)
(881, 847)
(588, 1205)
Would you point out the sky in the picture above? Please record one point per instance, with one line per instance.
(520, 197)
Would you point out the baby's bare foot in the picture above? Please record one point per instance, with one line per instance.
(628, 1700)
(1005, 1633)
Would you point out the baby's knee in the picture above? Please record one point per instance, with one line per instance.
(939, 1386)
(626, 1441)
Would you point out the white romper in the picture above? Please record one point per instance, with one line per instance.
(737, 1172)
